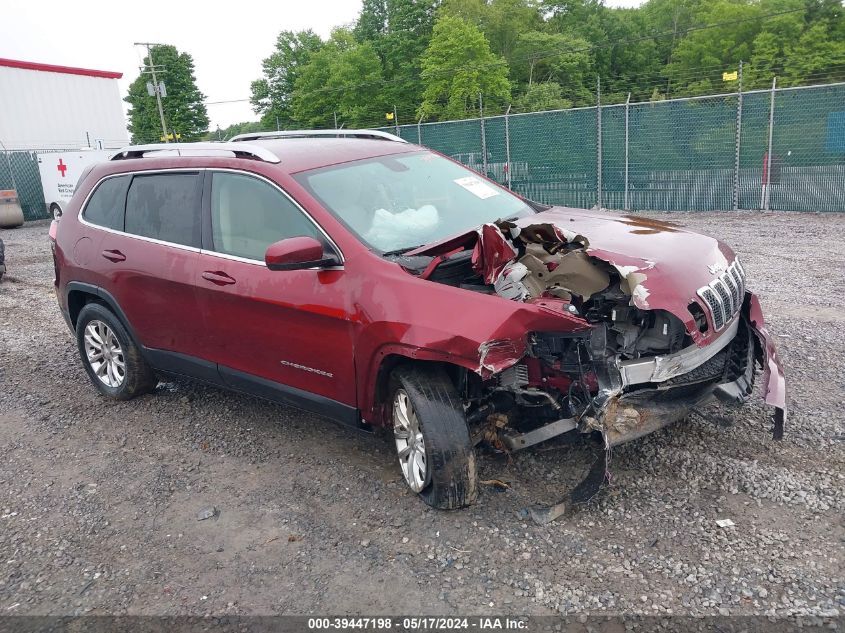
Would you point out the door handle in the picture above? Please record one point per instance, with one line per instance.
(115, 256)
(218, 277)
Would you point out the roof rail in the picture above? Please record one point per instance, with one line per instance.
(241, 150)
(368, 134)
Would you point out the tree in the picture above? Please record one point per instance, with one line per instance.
(399, 31)
(701, 56)
(372, 21)
(457, 67)
(343, 78)
(506, 20)
(232, 130)
(272, 95)
(815, 58)
(501, 21)
(184, 110)
(546, 95)
(555, 57)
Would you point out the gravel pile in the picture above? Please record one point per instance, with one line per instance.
(99, 500)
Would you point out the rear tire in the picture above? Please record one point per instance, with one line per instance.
(110, 357)
(431, 430)
(55, 211)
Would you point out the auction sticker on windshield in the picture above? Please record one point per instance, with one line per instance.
(477, 187)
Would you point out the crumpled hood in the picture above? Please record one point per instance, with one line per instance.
(663, 264)
(667, 263)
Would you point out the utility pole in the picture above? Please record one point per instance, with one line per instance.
(156, 87)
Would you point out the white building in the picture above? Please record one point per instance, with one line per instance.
(45, 107)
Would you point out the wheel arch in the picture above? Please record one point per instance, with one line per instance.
(79, 294)
(377, 408)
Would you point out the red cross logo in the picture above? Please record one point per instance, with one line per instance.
(62, 167)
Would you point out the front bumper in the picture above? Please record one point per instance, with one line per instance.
(639, 397)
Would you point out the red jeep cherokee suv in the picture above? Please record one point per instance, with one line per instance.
(378, 283)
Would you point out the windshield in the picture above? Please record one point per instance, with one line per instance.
(395, 203)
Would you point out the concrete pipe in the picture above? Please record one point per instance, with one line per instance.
(11, 214)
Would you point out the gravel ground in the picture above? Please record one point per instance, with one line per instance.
(99, 499)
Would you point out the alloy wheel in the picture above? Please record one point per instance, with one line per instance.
(410, 444)
(104, 354)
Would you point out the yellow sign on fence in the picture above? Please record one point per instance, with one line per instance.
(730, 76)
(388, 116)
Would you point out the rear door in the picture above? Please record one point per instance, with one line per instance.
(266, 329)
(149, 258)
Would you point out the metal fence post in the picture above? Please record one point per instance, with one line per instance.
(508, 145)
(627, 105)
(419, 131)
(598, 143)
(396, 121)
(483, 134)
(738, 140)
(768, 178)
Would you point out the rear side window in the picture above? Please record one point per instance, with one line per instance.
(165, 207)
(247, 215)
(105, 208)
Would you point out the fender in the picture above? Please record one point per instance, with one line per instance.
(109, 300)
(371, 409)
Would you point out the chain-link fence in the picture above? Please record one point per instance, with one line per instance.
(19, 171)
(673, 155)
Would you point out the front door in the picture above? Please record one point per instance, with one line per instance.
(278, 332)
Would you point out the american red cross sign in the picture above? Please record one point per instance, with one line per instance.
(62, 167)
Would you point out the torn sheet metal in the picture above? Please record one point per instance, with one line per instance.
(492, 253)
(633, 281)
(536, 260)
(774, 380)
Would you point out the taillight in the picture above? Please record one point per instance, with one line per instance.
(54, 228)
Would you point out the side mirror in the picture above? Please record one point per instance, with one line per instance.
(297, 253)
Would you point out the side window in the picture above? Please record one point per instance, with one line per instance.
(165, 207)
(248, 214)
(106, 205)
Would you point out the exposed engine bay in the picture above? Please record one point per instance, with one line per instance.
(635, 369)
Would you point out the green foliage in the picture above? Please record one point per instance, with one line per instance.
(546, 95)
(457, 67)
(432, 57)
(236, 128)
(405, 35)
(184, 110)
(556, 57)
(344, 78)
(272, 95)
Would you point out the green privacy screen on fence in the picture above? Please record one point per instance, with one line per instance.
(19, 170)
(675, 155)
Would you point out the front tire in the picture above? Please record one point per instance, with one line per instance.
(110, 357)
(432, 440)
(55, 211)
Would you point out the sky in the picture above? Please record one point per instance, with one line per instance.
(227, 50)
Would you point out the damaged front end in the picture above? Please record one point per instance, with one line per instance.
(665, 333)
